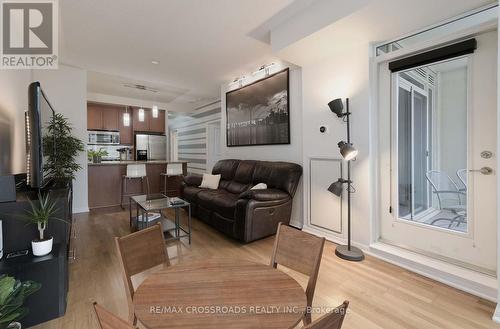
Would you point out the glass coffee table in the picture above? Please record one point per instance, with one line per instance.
(149, 209)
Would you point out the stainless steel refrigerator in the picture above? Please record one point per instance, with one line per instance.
(154, 145)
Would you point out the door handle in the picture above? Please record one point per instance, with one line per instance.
(484, 171)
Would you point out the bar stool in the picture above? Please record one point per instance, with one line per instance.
(172, 170)
(134, 171)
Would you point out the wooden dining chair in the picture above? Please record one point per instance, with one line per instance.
(332, 320)
(138, 252)
(300, 252)
(108, 320)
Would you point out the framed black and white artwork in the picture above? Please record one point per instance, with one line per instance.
(259, 113)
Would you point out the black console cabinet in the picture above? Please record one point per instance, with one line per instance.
(50, 270)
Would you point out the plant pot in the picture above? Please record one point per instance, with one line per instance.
(42, 247)
(14, 325)
(96, 159)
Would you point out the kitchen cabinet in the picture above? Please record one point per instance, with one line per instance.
(94, 118)
(126, 134)
(110, 118)
(141, 125)
(157, 125)
(150, 124)
(103, 117)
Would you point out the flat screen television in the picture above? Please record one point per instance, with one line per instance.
(40, 113)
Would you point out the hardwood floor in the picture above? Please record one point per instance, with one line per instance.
(381, 295)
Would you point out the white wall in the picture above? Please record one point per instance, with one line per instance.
(291, 152)
(343, 75)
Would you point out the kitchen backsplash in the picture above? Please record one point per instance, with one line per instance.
(112, 150)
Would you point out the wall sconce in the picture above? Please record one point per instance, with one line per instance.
(155, 111)
(266, 68)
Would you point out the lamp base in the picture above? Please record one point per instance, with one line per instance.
(354, 254)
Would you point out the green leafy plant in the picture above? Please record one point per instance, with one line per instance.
(91, 154)
(41, 212)
(61, 147)
(12, 296)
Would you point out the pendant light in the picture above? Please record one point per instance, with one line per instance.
(126, 118)
(141, 114)
(155, 111)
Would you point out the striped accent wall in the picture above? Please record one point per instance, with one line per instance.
(192, 134)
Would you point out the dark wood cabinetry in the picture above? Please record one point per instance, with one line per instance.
(94, 117)
(103, 117)
(126, 134)
(141, 125)
(157, 125)
(110, 118)
(149, 124)
(105, 183)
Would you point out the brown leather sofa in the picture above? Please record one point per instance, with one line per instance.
(237, 211)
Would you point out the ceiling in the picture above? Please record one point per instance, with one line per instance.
(199, 44)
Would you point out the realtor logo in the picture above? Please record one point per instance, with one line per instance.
(29, 34)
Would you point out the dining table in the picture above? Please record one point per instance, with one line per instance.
(219, 293)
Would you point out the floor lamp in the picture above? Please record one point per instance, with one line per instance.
(348, 152)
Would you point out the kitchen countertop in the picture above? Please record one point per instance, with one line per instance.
(111, 163)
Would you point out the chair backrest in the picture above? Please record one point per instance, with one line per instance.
(300, 252)
(108, 320)
(462, 176)
(332, 320)
(136, 170)
(174, 169)
(442, 182)
(139, 252)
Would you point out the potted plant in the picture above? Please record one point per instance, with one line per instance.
(62, 149)
(40, 214)
(96, 156)
(12, 296)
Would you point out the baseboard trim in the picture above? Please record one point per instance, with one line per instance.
(80, 210)
(496, 315)
(474, 283)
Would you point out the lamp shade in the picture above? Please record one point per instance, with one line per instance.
(347, 151)
(337, 107)
(337, 187)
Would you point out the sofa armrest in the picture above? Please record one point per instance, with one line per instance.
(193, 180)
(265, 195)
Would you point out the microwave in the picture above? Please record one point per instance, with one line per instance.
(104, 138)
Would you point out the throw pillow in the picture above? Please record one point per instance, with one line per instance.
(210, 181)
(260, 186)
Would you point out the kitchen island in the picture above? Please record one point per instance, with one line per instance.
(105, 181)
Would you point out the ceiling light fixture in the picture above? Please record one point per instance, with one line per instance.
(155, 62)
(141, 114)
(126, 118)
(155, 111)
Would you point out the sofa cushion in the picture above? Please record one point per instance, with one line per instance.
(220, 201)
(226, 168)
(189, 193)
(237, 188)
(210, 181)
(244, 172)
